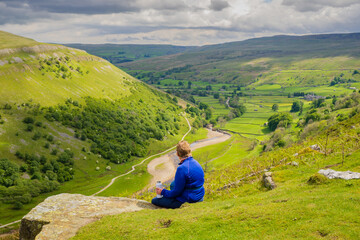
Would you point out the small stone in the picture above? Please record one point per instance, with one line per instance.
(97, 168)
(315, 147)
(294, 163)
(25, 176)
(85, 158)
(97, 161)
(108, 168)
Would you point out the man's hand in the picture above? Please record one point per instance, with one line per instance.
(158, 191)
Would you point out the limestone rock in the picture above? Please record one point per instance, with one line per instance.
(108, 168)
(268, 181)
(97, 168)
(293, 163)
(315, 147)
(331, 174)
(61, 216)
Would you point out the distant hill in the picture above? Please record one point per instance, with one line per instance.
(259, 61)
(121, 53)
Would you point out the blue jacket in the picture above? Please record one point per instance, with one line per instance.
(188, 183)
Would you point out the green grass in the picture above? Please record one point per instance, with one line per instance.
(196, 134)
(225, 154)
(8, 40)
(303, 214)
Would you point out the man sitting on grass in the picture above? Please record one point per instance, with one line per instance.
(188, 183)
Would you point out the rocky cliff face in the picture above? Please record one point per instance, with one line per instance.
(61, 216)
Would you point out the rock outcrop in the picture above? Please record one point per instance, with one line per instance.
(61, 216)
(331, 174)
(268, 181)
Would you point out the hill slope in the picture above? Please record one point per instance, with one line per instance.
(70, 121)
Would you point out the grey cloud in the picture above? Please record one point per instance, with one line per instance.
(94, 6)
(71, 6)
(316, 5)
(219, 5)
(18, 14)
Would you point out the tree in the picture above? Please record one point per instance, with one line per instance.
(284, 118)
(222, 122)
(296, 106)
(208, 113)
(317, 103)
(189, 84)
(275, 107)
(312, 115)
(239, 111)
(216, 95)
(203, 106)
(28, 120)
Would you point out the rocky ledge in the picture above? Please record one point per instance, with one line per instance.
(61, 216)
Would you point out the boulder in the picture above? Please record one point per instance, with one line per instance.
(268, 181)
(331, 174)
(61, 216)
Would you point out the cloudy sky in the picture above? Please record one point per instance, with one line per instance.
(178, 22)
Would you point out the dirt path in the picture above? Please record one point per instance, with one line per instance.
(163, 168)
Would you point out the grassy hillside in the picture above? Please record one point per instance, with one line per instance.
(121, 53)
(70, 121)
(8, 40)
(299, 208)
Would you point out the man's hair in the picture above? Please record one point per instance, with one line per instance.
(183, 149)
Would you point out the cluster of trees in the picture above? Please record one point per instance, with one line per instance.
(18, 191)
(58, 169)
(61, 66)
(238, 109)
(338, 80)
(279, 120)
(117, 131)
(297, 106)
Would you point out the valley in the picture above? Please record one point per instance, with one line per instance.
(73, 122)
